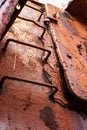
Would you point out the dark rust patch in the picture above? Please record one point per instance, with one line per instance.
(79, 47)
(70, 57)
(85, 44)
(48, 117)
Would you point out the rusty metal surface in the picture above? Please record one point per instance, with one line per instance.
(73, 25)
(73, 56)
(24, 106)
(51, 12)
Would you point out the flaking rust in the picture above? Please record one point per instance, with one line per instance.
(72, 59)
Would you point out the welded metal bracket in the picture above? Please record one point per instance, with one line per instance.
(29, 45)
(29, 20)
(53, 88)
(41, 10)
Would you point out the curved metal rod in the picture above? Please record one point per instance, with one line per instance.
(29, 20)
(33, 8)
(53, 88)
(2, 3)
(26, 44)
(41, 10)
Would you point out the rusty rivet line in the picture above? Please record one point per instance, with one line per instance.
(54, 89)
(26, 44)
(29, 20)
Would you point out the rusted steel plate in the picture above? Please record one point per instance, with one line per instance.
(72, 52)
(51, 12)
(25, 106)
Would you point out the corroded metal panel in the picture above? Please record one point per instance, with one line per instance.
(25, 106)
(72, 52)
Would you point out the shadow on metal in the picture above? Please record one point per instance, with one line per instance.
(54, 89)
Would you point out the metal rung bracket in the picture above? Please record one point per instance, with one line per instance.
(41, 10)
(29, 45)
(54, 89)
(29, 20)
